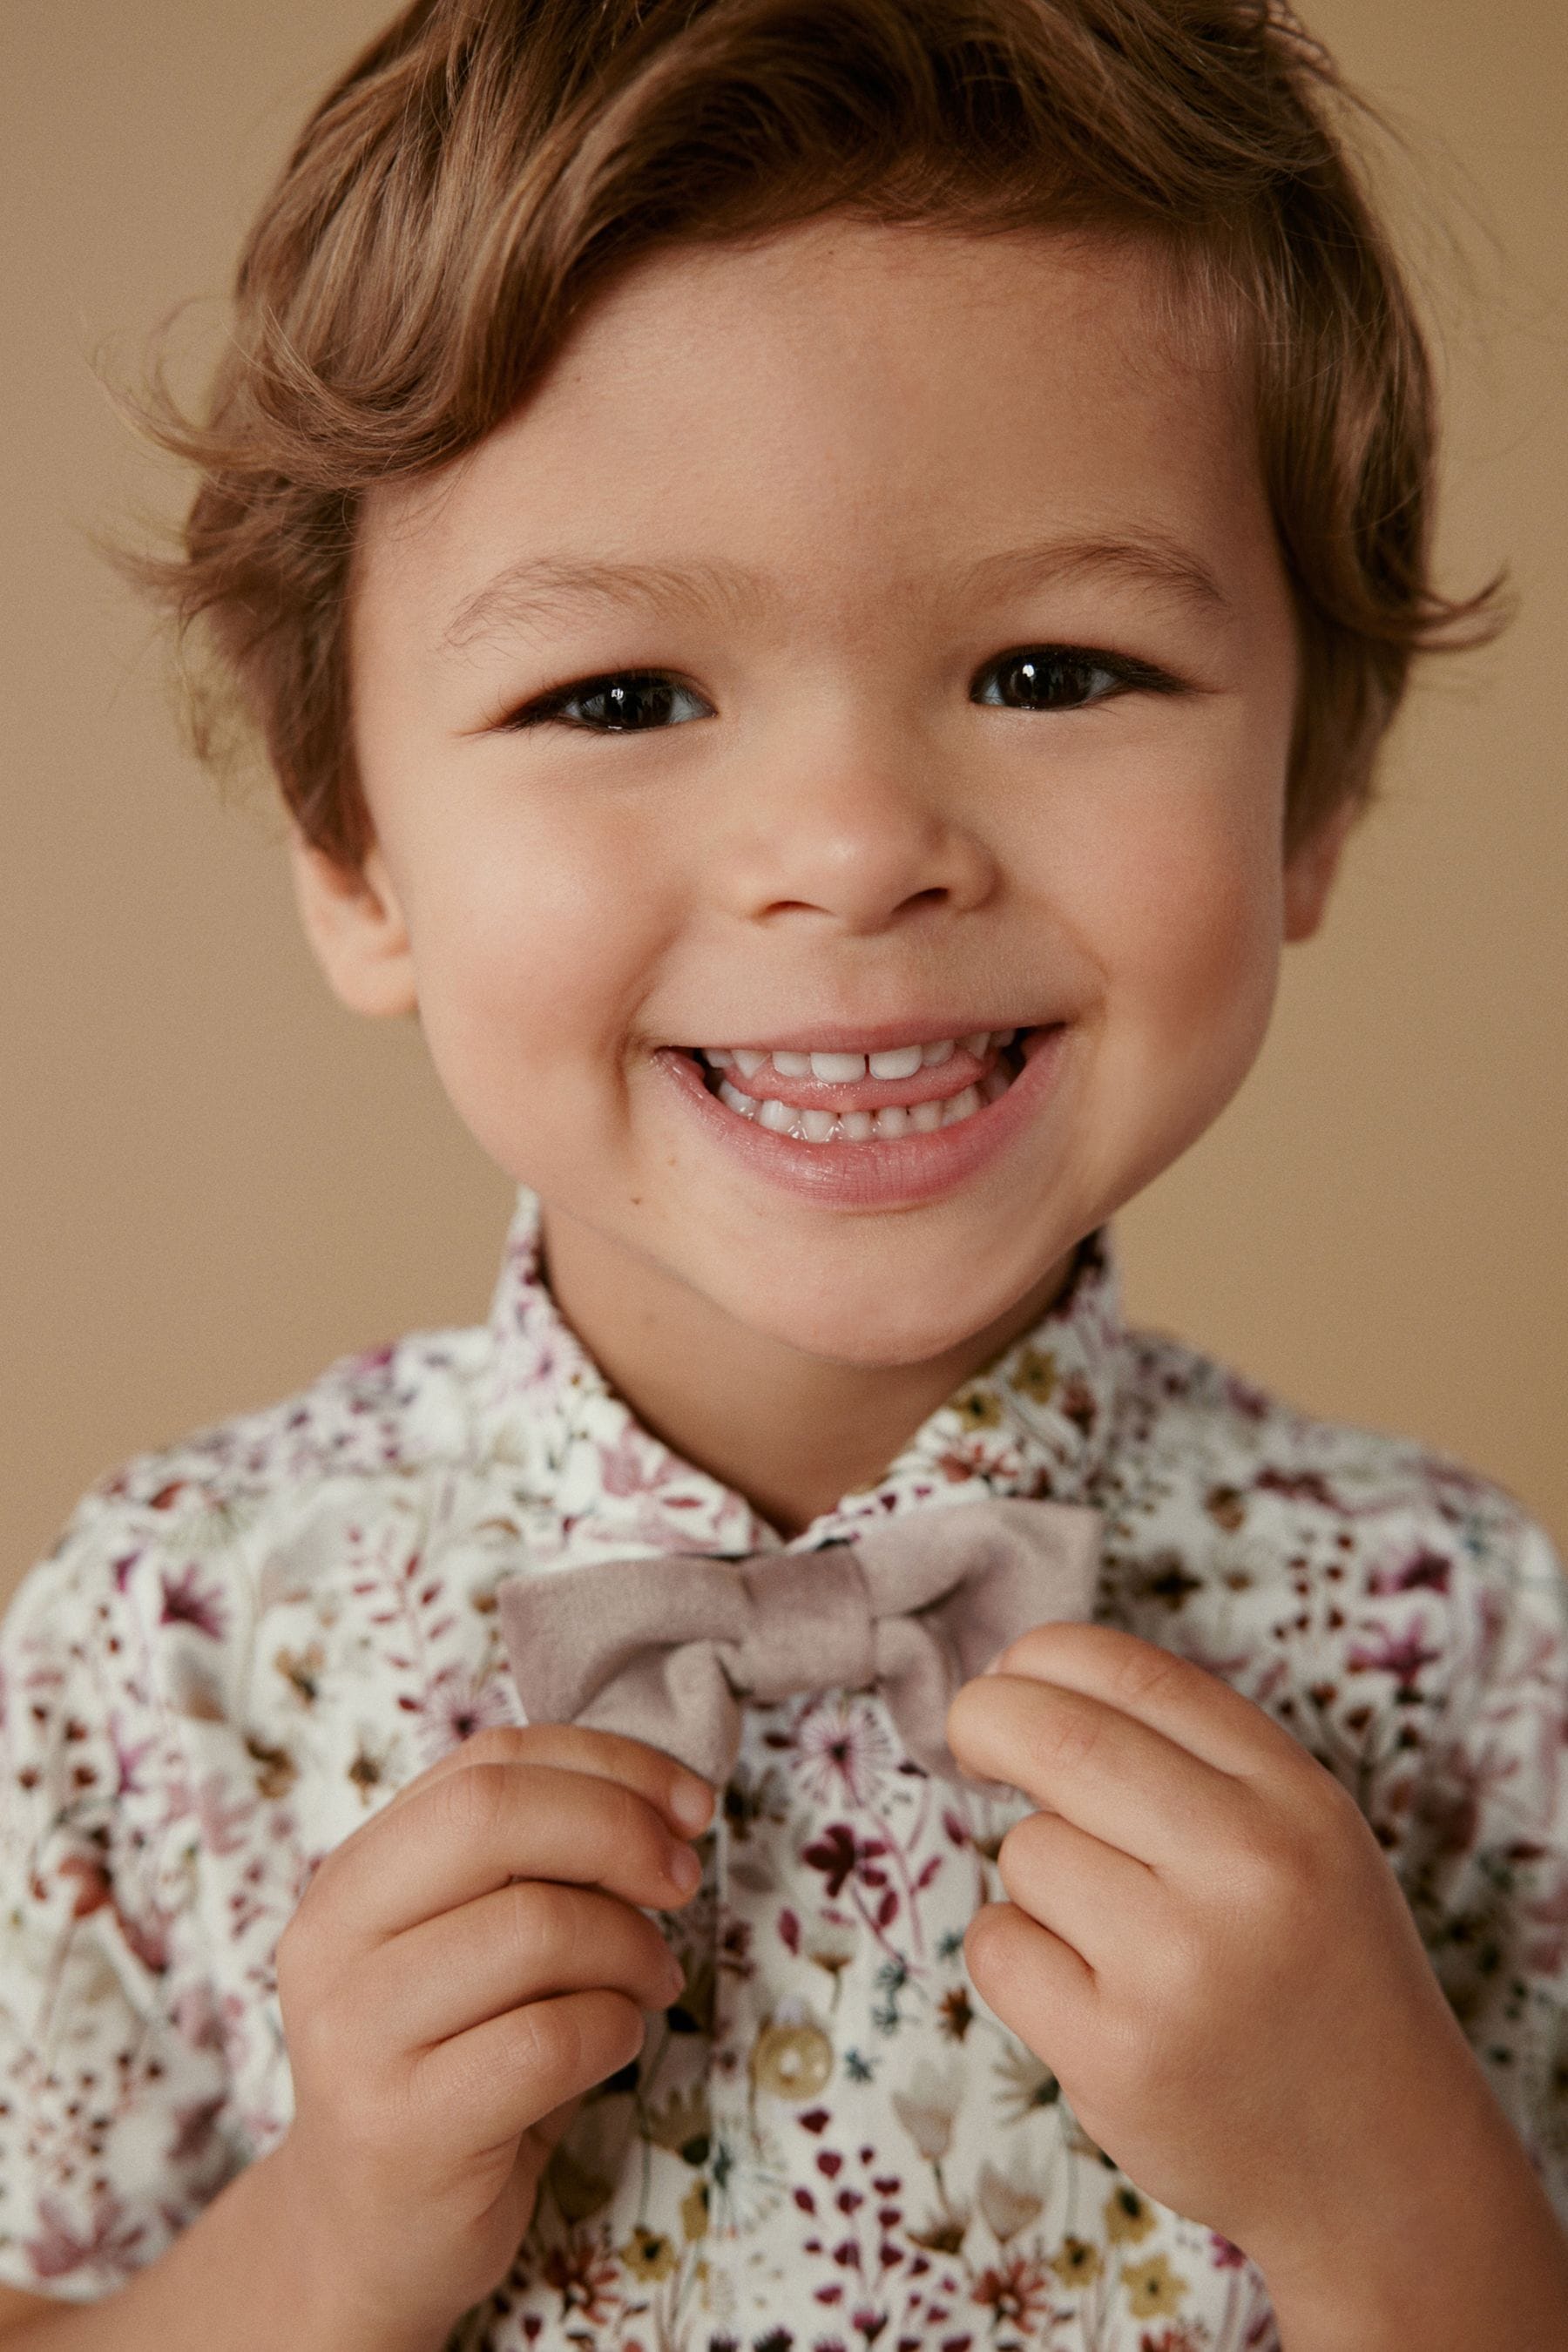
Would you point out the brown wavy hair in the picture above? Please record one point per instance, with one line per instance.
(485, 167)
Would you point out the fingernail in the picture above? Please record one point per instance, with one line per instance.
(685, 1869)
(691, 1802)
(675, 1980)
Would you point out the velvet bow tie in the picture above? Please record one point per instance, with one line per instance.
(665, 1649)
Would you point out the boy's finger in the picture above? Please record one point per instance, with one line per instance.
(465, 1833)
(503, 2077)
(522, 1943)
(1105, 1770)
(686, 1801)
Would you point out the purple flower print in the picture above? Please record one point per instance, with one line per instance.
(1425, 1571)
(1402, 1657)
(184, 1603)
(223, 1817)
(195, 2130)
(844, 1752)
(186, 1741)
(59, 2249)
(129, 1756)
(633, 1466)
(839, 1855)
(459, 1705)
(1018, 2291)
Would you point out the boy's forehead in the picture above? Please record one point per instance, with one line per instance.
(854, 399)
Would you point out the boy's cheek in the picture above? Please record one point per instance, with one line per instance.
(1168, 865)
(1188, 939)
(1223, 865)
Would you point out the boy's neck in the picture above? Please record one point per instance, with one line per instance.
(792, 1432)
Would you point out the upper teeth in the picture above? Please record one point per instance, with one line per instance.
(844, 1069)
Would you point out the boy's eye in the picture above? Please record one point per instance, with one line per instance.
(1066, 678)
(1034, 677)
(627, 702)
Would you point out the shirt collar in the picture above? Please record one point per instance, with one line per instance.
(1035, 1422)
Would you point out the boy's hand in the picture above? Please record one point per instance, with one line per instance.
(1208, 1948)
(459, 1972)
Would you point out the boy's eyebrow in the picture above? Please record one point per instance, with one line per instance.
(542, 588)
(1147, 557)
(535, 590)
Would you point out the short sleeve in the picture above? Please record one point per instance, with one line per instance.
(111, 2139)
(1487, 1874)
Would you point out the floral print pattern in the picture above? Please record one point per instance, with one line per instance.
(245, 1644)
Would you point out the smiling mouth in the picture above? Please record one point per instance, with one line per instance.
(867, 1098)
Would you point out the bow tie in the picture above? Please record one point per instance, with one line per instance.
(665, 1648)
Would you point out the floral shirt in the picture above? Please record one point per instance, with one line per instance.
(244, 1644)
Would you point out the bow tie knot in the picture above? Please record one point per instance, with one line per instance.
(666, 1649)
(799, 1608)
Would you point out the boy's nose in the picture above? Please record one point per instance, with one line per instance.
(858, 845)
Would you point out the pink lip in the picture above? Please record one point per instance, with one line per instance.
(882, 1174)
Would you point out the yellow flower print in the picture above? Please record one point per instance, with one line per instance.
(977, 1408)
(1128, 2217)
(647, 2255)
(1035, 1375)
(1226, 1507)
(1153, 2290)
(682, 2123)
(302, 1669)
(1077, 2263)
(279, 1772)
(694, 2212)
(367, 1772)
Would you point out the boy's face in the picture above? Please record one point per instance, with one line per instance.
(886, 789)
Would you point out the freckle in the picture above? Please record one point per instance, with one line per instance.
(636, 1200)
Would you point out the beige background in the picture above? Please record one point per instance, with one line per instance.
(215, 1181)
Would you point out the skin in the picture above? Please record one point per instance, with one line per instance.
(850, 836)
(1205, 1942)
(460, 1970)
(845, 832)
(853, 834)
(458, 1973)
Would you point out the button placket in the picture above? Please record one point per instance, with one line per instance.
(725, 2074)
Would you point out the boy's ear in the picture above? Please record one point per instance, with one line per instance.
(355, 925)
(1310, 869)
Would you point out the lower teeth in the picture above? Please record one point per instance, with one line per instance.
(866, 1125)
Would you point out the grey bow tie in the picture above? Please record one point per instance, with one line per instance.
(665, 1649)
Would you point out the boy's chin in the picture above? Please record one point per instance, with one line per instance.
(862, 1325)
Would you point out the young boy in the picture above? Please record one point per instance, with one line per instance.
(822, 581)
